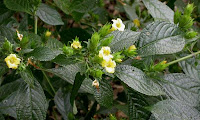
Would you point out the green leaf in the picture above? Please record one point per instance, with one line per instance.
(1, 117)
(22, 5)
(44, 54)
(68, 74)
(174, 110)
(4, 13)
(190, 69)
(123, 39)
(7, 32)
(63, 60)
(160, 38)
(49, 15)
(137, 80)
(62, 102)
(182, 88)
(136, 105)
(31, 102)
(53, 43)
(130, 10)
(77, 84)
(104, 95)
(159, 10)
(27, 76)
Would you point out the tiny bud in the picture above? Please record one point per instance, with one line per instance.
(105, 30)
(47, 34)
(94, 42)
(107, 41)
(18, 49)
(160, 66)
(7, 46)
(189, 9)
(68, 50)
(95, 83)
(185, 22)
(112, 117)
(177, 16)
(132, 47)
(136, 22)
(190, 34)
(117, 57)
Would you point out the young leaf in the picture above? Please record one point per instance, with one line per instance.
(182, 88)
(31, 102)
(136, 106)
(137, 80)
(104, 95)
(123, 39)
(160, 38)
(174, 110)
(62, 101)
(77, 84)
(159, 10)
(49, 15)
(22, 5)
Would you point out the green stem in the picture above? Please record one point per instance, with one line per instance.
(183, 58)
(36, 21)
(49, 82)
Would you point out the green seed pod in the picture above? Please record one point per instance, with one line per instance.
(190, 34)
(160, 66)
(185, 21)
(98, 73)
(105, 30)
(106, 41)
(68, 50)
(189, 9)
(7, 46)
(94, 42)
(177, 16)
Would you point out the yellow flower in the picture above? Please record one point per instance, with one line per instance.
(132, 47)
(109, 65)
(105, 53)
(47, 34)
(76, 45)
(12, 61)
(20, 36)
(136, 22)
(118, 25)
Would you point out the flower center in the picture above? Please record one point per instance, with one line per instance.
(106, 52)
(118, 25)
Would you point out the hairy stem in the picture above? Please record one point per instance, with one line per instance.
(183, 58)
(35, 22)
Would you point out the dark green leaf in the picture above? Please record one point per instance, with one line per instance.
(160, 38)
(1, 117)
(27, 76)
(31, 102)
(7, 32)
(136, 105)
(44, 54)
(62, 101)
(123, 39)
(173, 110)
(53, 43)
(4, 13)
(77, 84)
(159, 10)
(137, 80)
(182, 88)
(22, 5)
(49, 15)
(130, 10)
(63, 60)
(104, 95)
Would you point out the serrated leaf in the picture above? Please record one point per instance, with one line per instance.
(130, 10)
(174, 110)
(62, 101)
(104, 95)
(53, 43)
(22, 5)
(137, 80)
(190, 69)
(4, 13)
(44, 54)
(31, 102)
(7, 32)
(123, 39)
(159, 10)
(77, 84)
(182, 88)
(27, 76)
(160, 38)
(64, 60)
(136, 106)
(49, 15)
(68, 74)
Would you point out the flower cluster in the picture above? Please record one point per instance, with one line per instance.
(107, 62)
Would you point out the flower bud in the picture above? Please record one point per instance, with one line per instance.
(105, 30)
(136, 22)
(144, 14)
(76, 44)
(106, 41)
(117, 57)
(189, 9)
(97, 73)
(7, 46)
(131, 51)
(160, 66)
(94, 42)
(68, 50)
(177, 16)
(97, 59)
(190, 34)
(112, 117)
(47, 34)
(185, 21)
